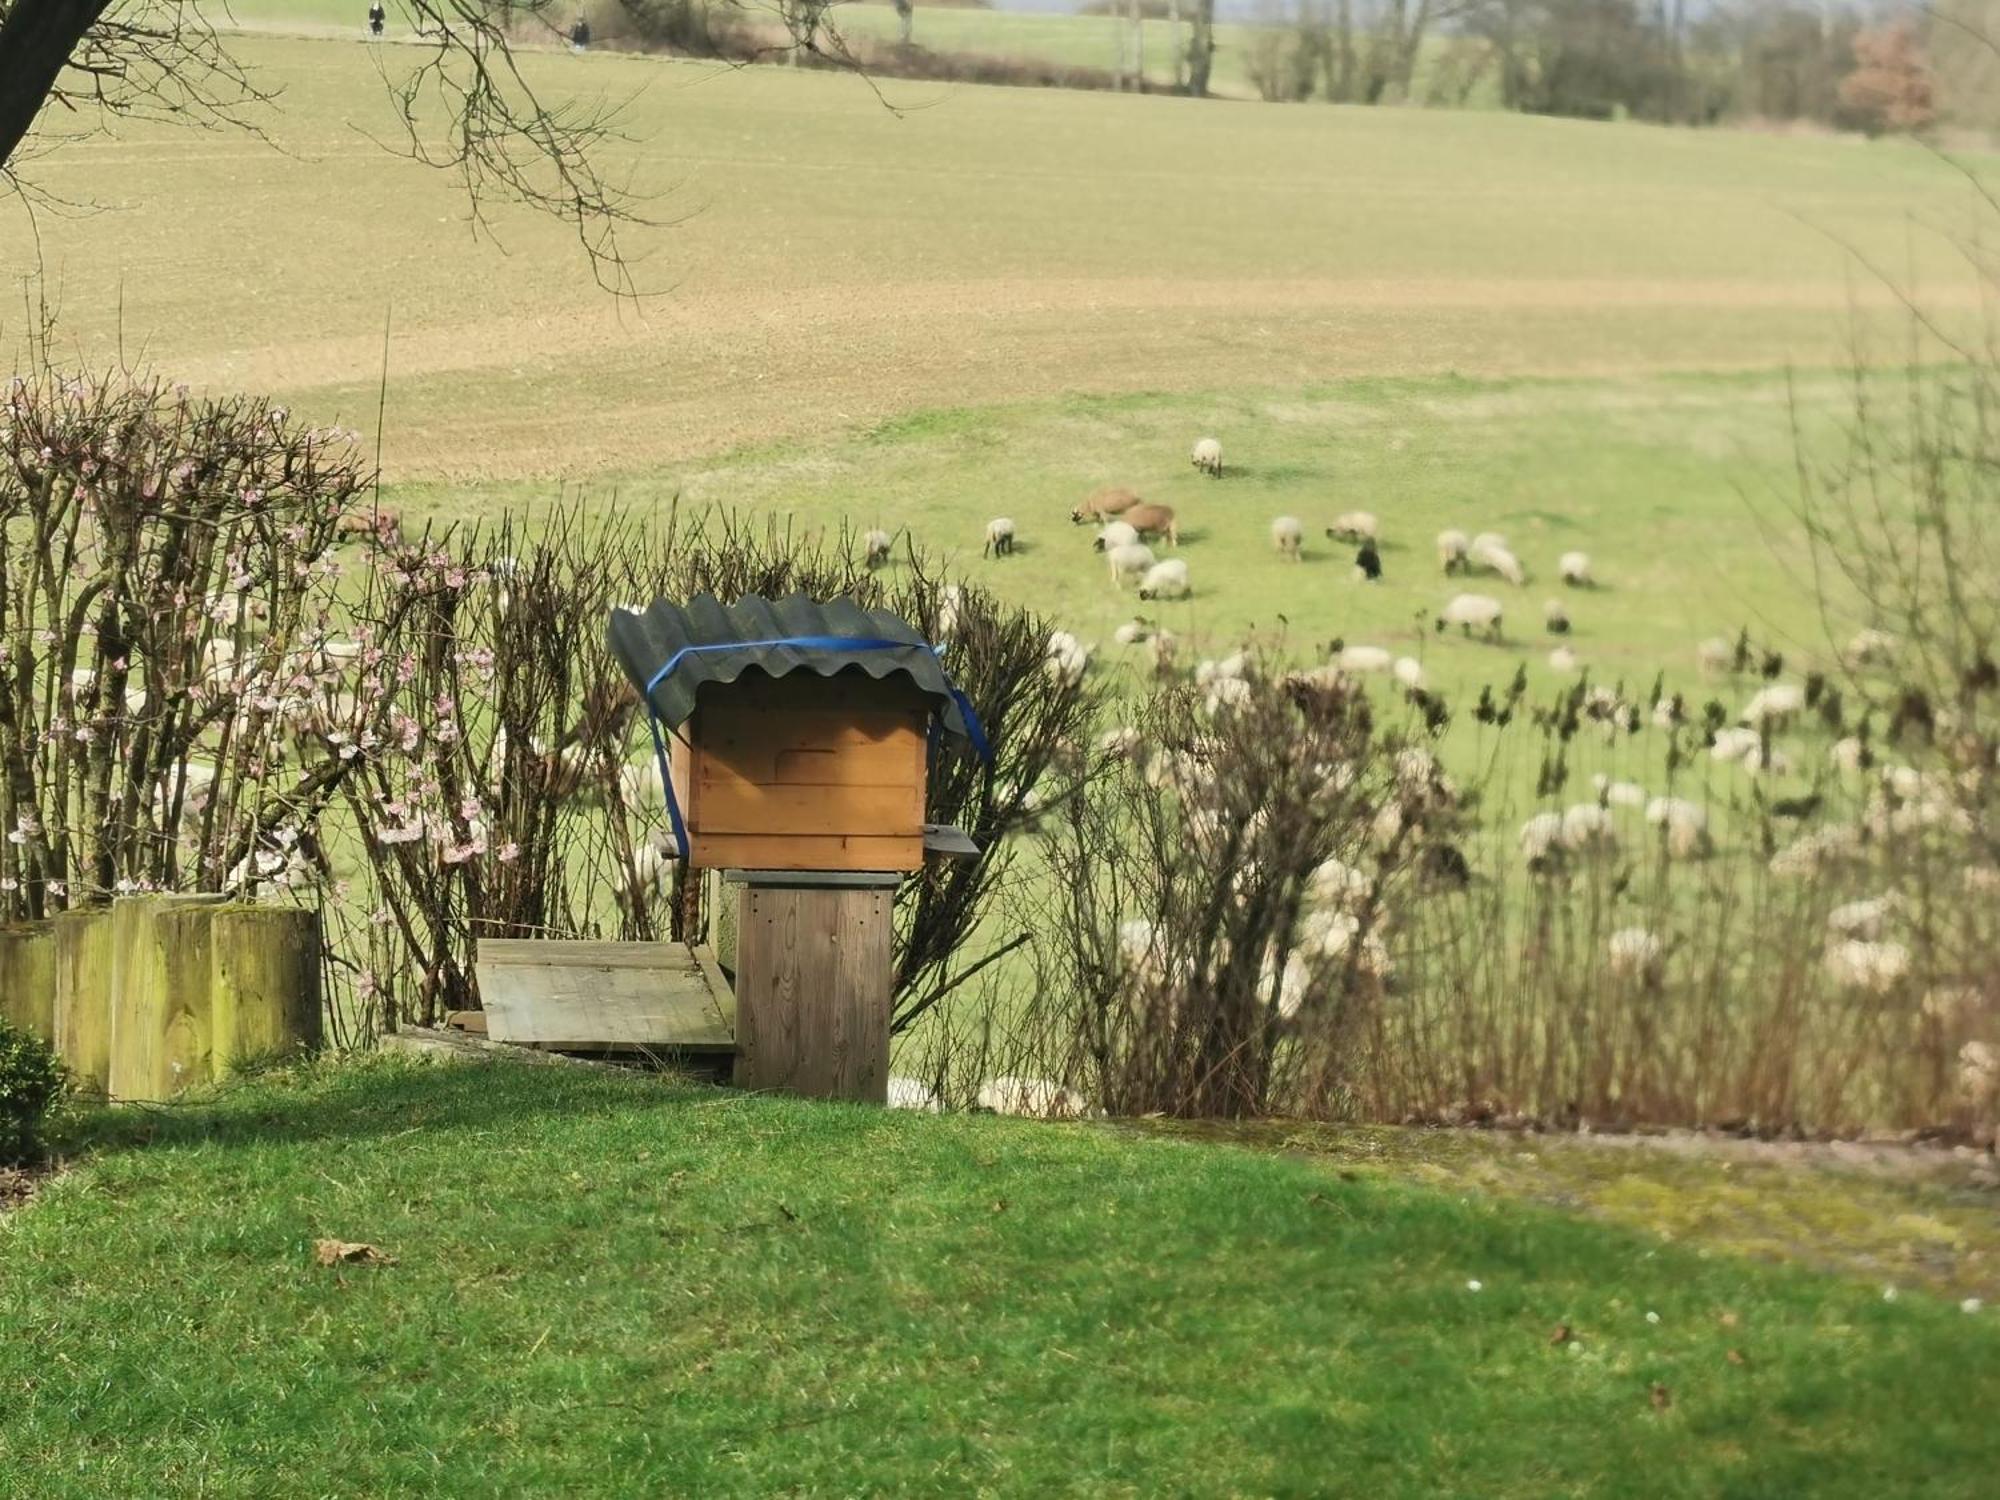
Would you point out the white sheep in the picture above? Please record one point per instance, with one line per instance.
(1452, 549)
(1037, 1098)
(1116, 534)
(1734, 744)
(1541, 836)
(1339, 884)
(1760, 760)
(1563, 660)
(1233, 665)
(1587, 829)
(1495, 557)
(1353, 526)
(1813, 852)
(639, 784)
(1066, 666)
(1575, 569)
(1289, 537)
(951, 603)
(1684, 825)
(1774, 706)
(1124, 741)
(1855, 964)
(1618, 793)
(1131, 633)
(1715, 656)
(1635, 953)
(1167, 580)
(912, 1093)
(1226, 693)
(1363, 659)
(1469, 610)
(1207, 457)
(1863, 919)
(1848, 754)
(1870, 648)
(1133, 560)
(1555, 617)
(1164, 646)
(999, 537)
(1410, 673)
(877, 543)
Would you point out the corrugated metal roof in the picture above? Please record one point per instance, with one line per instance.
(796, 633)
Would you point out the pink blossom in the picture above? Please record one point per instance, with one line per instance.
(509, 852)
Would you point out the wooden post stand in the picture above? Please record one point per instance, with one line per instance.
(28, 978)
(813, 974)
(83, 996)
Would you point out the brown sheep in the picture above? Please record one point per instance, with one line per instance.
(1152, 521)
(384, 527)
(1102, 504)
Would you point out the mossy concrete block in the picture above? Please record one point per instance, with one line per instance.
(28, 978)
(83, 996)
(161, 1019)
(264, 990)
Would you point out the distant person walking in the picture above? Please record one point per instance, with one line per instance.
(579, 35)
(377, 17)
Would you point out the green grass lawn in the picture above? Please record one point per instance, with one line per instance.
(609, 1286)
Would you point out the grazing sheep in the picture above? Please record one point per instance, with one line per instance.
(639, 784)
(1289, 537)
(1226, 693)
(1863, 919)
(1368, 563)
(1452, 549)
(1338, 883)
(1495, 558)
(1486, 541)
(1618, 793)
(1066, 659)
(1541, 837)
(1684, 825)
(1362, 659)
(382, 527)
(1167, 580)
(1734, 744)
(912, 1093)
(1575, 569)
(1131, 632)
(1154, 521)
(1103, 504)
(1668, 711)
(1207, 457)
(1870, 648)
(950, 603)
(1774, 707)
(1165, 647)
(1812, 853)
(877, 542)
(1563, 660)
(1129, 561)
(1124, 741)
(1555, 617)
(1353, 526)
(1850, 754)
(1410, 673)
(1037, 1098)
(1715, 656)
(1587, 829)
(1635, 953)
(1115, 534)
(999, 537)
(1469, 610)
(1858, 965)
(1759, 760)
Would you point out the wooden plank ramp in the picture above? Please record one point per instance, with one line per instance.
(593, 996)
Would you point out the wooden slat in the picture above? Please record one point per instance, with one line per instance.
(892, 760)
(582, 995)
(750, 851)
(741, 807)
(812, 991)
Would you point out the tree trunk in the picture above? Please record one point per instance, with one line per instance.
(1342, 90)
(37, 38)
(1175, 45)
(1138, 47)
(1201, 47)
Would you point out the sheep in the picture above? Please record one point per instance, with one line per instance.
(1362, 659)
(1618, 793)
(1131, 633)
(1858, 965)
(1067, 659)
(1850, 754)
(1760, 759)
(653, 865)
(1555, 617)
(639, 784)
(1773, 707)
(1812, 853)
(1338, 883)
(1233, 665)
(1497, 559)
(1636, 953)
(876, 543)
(1487, 541)
(1102, 504)
(951, 603)
(1226, 693)
(1289, 537)
(1409, 672)
(1452, 549)
(1563, 660)
(1154, 521)
(1587, 828)
(1167, 580)
(1575, 569)
(1863, 919)
(1115, 534)
(1683, 825)
(912, 1093)
(1164, 647)
(1541, 837)
(999, 537)
(1123, 742)
(1714, 656)
(1132, 560)
(1037, 1098)
(1870, 648)
(1353, 526)
(1733, 744)
(1207, 457)
(1467, 610)
(380, 526)
(1668, 711)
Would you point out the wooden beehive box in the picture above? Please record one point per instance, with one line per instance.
(804, 772)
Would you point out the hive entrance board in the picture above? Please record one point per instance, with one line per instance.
(604, 996)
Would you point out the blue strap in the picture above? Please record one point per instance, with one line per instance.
(974, 730)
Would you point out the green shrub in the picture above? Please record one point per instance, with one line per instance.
(31, 1080)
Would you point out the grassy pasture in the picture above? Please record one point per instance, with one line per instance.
(609, 1286)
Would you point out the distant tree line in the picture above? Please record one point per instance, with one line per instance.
(1828, 62)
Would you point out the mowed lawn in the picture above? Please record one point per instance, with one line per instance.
(606, 1286)
(837, 257)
